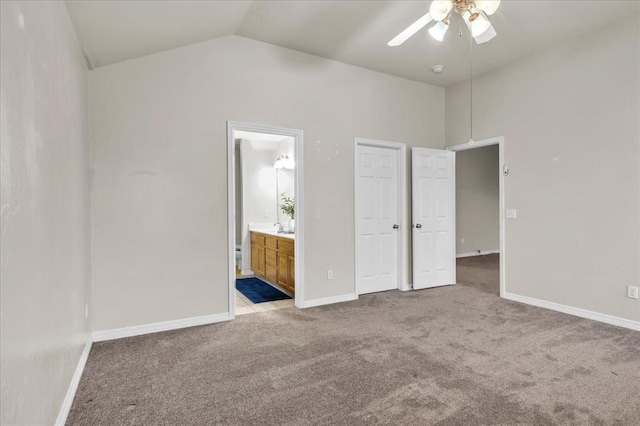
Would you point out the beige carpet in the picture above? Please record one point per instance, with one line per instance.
(480, 272)
(452, 356)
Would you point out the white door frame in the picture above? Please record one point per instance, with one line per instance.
(403, 234)
(297, 135)
(499, 140)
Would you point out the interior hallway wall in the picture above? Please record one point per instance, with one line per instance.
(478, 200)
(571, 120)
(44, 182)
(159, 152)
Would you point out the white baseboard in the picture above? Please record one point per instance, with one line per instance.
(583, 313)
(73, 386)
(329, 300)
(477, 253)
(119, 333)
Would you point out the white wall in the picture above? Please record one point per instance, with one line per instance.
(478, 200)
(158, 142)
(45, 210)
(570, 117)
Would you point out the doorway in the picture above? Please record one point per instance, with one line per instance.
(265, 218)
(480, 256)
(381, 226)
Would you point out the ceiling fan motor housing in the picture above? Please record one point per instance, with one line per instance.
(463, 5)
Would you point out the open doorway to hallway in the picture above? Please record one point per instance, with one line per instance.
(478, 217)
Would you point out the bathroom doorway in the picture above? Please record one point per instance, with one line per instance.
(265, 219)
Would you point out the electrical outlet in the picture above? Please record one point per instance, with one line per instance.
(462, 241)
(86, 311)
(512, 214)
(266, 213)
(632, 292)
(330, 274)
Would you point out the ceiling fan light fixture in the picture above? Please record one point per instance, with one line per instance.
(486, 36)
(473, 12)
(477, 22)
(439, 30)
(440, 9)
(488, 6)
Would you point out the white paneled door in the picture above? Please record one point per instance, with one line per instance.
(433, 204)
(377, 219)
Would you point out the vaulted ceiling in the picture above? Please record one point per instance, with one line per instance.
(354, 32)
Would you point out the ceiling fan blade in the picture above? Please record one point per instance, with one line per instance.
(410, 30)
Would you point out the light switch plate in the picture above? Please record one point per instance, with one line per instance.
(512, 213)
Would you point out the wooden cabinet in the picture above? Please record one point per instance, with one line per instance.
(257, 259)
(271, 262)
(272, 259)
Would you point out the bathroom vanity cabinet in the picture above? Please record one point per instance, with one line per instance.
(272, 259)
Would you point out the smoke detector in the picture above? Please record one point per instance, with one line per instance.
(437, 69)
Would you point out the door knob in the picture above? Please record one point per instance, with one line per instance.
(418, 225)
(395, 227)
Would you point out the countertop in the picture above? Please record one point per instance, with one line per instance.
(274, 233)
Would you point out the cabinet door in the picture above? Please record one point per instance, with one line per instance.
(271, 257)
(271, 273)
(254, 258)
(262, 261)
(283, 269)
(257, 260)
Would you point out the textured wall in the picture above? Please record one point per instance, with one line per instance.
(158, 135)
(478, 200)
(570, 118)
(45, 210)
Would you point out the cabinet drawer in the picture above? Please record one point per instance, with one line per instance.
(271, 242)
(257, 238)
(285, 246)
(271, 257)
(272, 273)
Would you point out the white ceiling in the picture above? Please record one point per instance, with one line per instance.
(355, 32)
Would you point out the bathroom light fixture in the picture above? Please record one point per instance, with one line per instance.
(284, 162)
(278, 164)
(474, 14)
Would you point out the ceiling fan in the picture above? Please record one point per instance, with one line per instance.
(474, 14)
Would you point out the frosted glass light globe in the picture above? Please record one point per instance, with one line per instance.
(439, 9)
(488, 6)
